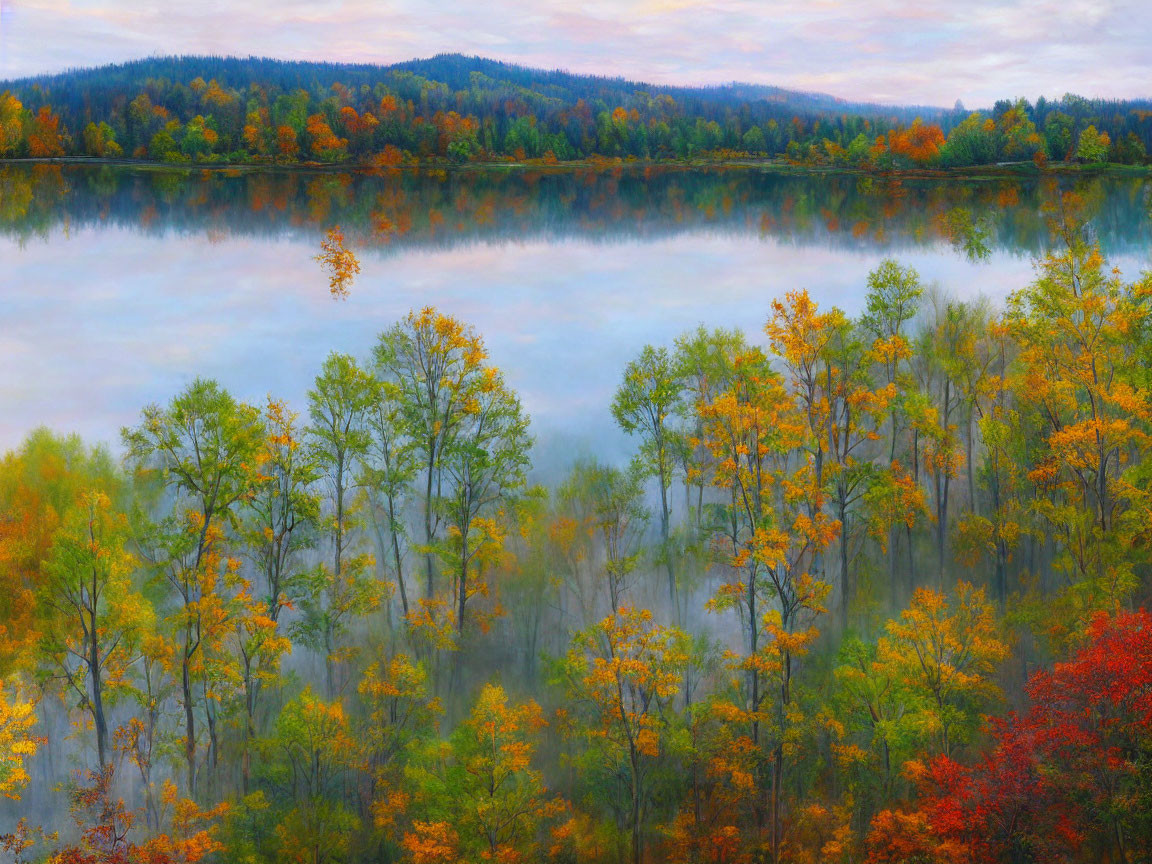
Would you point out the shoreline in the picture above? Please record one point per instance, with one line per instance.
(1018, 170)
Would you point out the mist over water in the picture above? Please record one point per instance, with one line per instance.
(120, 285)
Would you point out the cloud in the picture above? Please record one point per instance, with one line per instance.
(929, 52)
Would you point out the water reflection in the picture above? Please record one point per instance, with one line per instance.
(119, 285)
(442, 209)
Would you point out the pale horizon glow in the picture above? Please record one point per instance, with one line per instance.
(929, 53)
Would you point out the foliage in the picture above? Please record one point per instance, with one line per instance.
(451, 109)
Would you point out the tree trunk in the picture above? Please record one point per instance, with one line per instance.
(396, 556)
(664, 533)
(189, 720)
(463, 598)
(845, 594)
(637, 849)
(428, 587)
(249, 730)
(97, 693)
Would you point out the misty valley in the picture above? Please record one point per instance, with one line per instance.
(640, 513)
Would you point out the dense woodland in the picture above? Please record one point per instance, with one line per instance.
(451, 109)
(867, 591)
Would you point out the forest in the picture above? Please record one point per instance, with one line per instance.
(451, 109)
(870, 589)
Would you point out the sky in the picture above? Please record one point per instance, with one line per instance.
(929, 52)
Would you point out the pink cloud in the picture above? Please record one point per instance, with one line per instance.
(886, 50)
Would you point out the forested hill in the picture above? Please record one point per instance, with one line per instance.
(454, 109)
(456, 72)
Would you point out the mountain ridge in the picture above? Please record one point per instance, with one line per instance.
(452, 69)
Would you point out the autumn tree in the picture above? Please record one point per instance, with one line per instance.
(141, 740)
(323, 142)
(45, 137)
(41, 484)
(481, 783)
(829, 370)
(1077, 376)
(1064, 780)
(280, 520)
(775, 531)
(339, 262)
(625, 670)
(18, 743)
(98, 616)
(108, 827)
(338, 405)
(947, 650)
(1092, 145)
(1090, 719)
(202, 449)
(919, 142)
(100, 141)
(399, 710)
(11, 124)
(313, 750)
(434, 363)
(287, 142)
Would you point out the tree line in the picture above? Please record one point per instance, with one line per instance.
(867, 590)
(450, 109)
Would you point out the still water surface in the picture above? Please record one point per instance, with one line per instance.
(119, 285)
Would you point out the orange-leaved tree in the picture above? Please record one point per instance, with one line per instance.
(775, 531)
(623, 673)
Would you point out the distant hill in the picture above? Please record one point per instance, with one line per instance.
(457, 72)
(451, 109)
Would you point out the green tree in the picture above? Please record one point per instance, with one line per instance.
(481, 783)
(1058, 129)
(100, 141)
(280, 522)
(338, 406)
(485, 468)
(704, 366)
(98, 615)
(1092, 146)
(644, 405)
(203, 448)
(614, 502)
(435, 365)
(388, 472)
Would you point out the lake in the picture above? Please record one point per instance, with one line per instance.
(121, 284)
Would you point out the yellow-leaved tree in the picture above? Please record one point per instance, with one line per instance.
(622, 673)
(947, 650)
(477, 796)
(774, 532)
(17, 743)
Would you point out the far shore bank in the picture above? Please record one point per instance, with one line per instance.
(974, 172)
